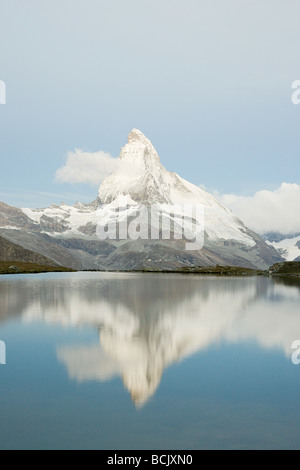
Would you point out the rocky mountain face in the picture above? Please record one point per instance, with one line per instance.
(14, 218)
(88, 236)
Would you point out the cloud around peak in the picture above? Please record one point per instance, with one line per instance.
(93, 167)
(86, 167)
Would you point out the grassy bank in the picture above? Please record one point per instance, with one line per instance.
(18, 267)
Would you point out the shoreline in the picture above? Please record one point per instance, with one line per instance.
(286, 269)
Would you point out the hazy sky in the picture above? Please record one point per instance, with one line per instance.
(208, 81)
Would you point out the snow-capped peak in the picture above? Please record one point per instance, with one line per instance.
(138, 182)
(139, 150)
(139, 174)
(143, 179)
(137, 136)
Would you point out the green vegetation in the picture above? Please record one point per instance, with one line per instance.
(223, 270)
(18, 267)
(291, 268)
(212, 270)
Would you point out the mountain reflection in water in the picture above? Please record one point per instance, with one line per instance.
(148, 321)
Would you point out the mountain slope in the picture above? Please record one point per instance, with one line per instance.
(11, 252)
(43, 245)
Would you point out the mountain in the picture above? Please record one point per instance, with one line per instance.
(287, 245)
(12, 252)
(160, 211)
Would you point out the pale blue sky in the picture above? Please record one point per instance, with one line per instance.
(208, 81)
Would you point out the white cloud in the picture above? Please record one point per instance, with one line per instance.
(93, 167)
(86, 167)
(268, 211)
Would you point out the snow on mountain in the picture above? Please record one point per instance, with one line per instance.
(288, 248)
(151, 183)
(141, 181)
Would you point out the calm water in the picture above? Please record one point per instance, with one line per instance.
(148, 361)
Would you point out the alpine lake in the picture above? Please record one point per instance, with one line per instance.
(149, 361)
